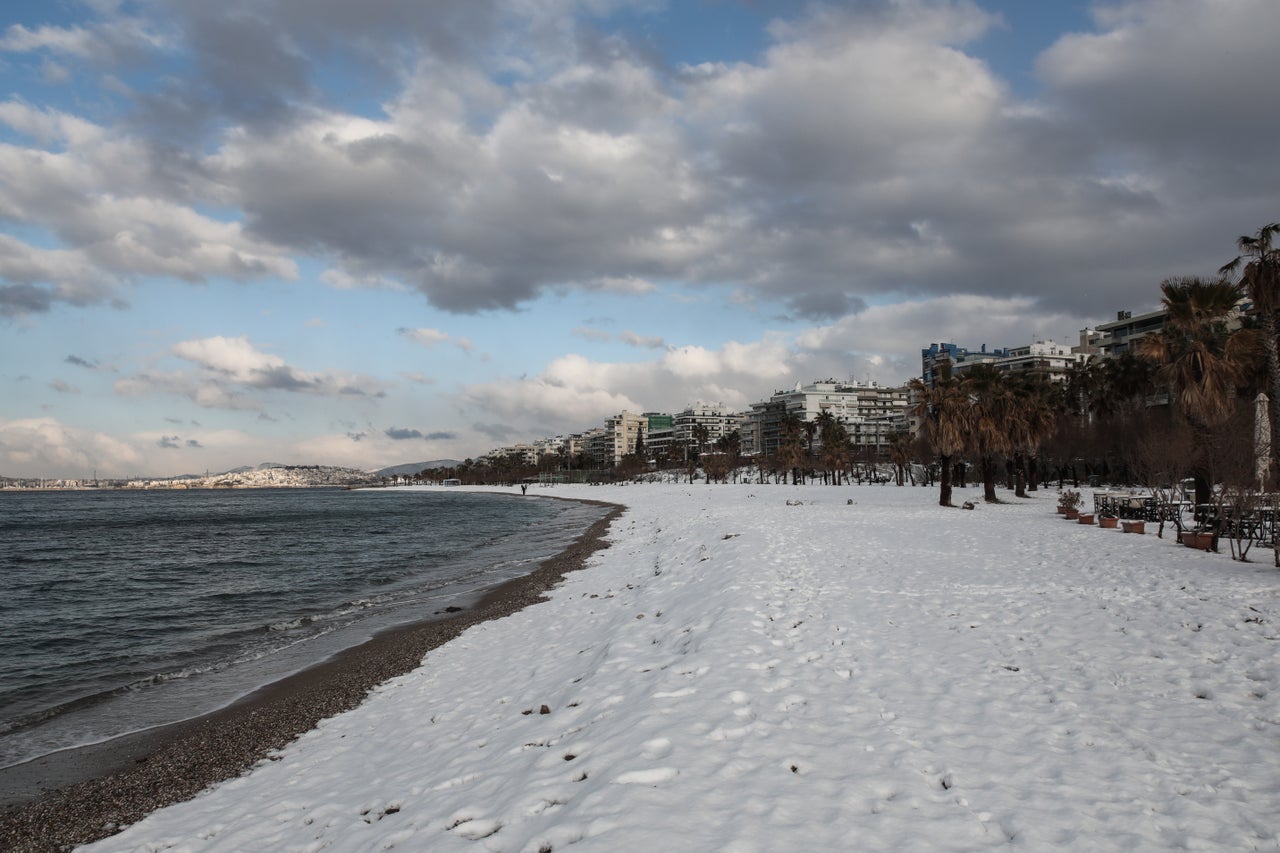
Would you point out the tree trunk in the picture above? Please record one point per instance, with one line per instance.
(944, 481)
(1273, 373)
(989, 480)
(1020, 475)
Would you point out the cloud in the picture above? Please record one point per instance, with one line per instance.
(169, 442)
(504, 151)
(589, 334)
(626, 285)
(498, 432)
(429, 338)
(233, 374)
(105, 43)
(642, 341)
(886, 339)
(402, 434)
(81, 362)
(34, 447)
(63, 387)
(574, 393)
(119, 212)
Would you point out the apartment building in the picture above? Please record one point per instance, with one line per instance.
(871, 412)
(1047, 359)
(716, 418)
(944, 359)
(1121, 334)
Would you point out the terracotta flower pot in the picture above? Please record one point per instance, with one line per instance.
(1062, 510)
(1199, 541)
(1108, 522)
(1085, 518)
(1135, 526)
(1072, 514)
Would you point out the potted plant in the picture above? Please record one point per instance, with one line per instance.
(1069, 503)
(1200, 539)
(1134, 526)
(1085, 517)
(1109, 522)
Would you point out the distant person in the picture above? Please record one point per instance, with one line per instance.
(524, 488)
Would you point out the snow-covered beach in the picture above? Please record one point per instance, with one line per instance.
(739, 673)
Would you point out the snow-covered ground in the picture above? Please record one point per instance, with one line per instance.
(736, 673)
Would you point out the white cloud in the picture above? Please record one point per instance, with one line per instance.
(108, 41)
(233, 374)
(429, 338)
(45, 447)
(573, 393)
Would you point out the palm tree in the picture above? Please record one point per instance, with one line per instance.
(1200, 360)
(791, 450)
(700, 435)
(835, 445)
(730, 444)
(1260, 277)
(900, 454)
(810, 431)
(942, 409)
(990, 406)
(1032, 418)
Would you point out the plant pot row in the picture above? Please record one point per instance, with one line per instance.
(1107, 522)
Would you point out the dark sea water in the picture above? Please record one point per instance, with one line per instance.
(120, 611)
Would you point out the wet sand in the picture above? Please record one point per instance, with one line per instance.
(92, 792)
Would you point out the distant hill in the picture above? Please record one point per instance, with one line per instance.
(245, 469)
(414, 467)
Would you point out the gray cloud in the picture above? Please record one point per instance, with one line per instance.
(81, 362)
(642, 341)
(19, 299)
(404, 434)
(495, 431)
(169, 442)
(864, 157)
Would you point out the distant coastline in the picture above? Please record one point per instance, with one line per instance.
(274, 477)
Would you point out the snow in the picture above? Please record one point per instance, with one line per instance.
(738, 674)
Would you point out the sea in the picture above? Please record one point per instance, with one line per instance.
(125, 610)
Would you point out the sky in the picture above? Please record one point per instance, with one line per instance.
(322, 232)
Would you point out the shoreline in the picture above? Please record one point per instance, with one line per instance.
(91, 792)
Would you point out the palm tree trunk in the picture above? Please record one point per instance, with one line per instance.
(1273, 373)
(944, 482)
(989, 479)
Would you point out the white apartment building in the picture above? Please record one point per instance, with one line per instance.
(608, 446)
(871, 412)
(1045, 358)
(715, 417)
